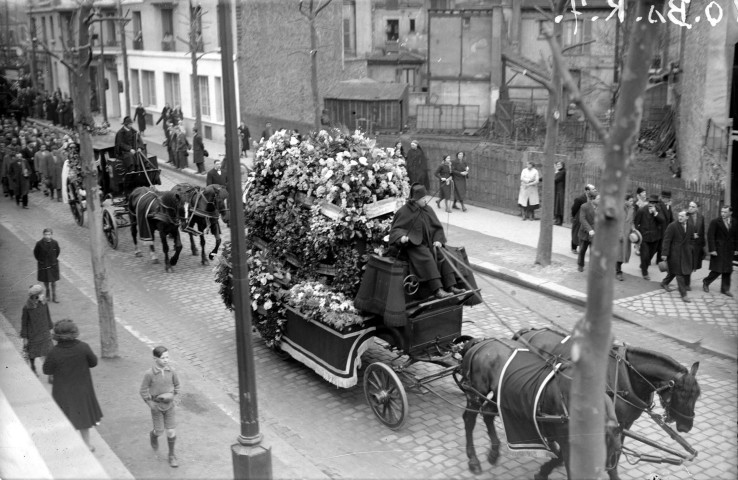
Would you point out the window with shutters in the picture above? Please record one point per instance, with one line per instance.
(349, 29)
(393, 30)
(135, 87)
(148, 88)
(203, 86)
(575, 33)
(218, 100)
(171, 89)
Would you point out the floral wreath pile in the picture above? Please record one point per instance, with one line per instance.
(309, 230)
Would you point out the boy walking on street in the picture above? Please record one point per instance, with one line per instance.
(159, 389)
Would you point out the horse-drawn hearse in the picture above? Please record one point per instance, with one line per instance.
(116, 183)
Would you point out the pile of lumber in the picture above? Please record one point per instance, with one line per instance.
(659, 138)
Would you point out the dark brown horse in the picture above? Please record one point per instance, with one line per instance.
(202, 208)
(151, 211)
(531, 395)
(636, 374)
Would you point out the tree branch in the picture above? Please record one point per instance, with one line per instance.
(533, 76)
(63, 62)
(322, 6)
(575, 94)
(303, 13)
(576, 45)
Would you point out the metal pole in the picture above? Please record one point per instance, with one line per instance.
(101, 74)
(250, 458)
(124, 52)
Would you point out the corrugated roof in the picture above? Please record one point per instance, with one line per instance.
(367, 89)
(546, 5)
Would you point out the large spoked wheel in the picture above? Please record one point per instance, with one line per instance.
(110, 228)
(386, 395)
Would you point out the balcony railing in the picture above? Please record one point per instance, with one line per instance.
(167, 46)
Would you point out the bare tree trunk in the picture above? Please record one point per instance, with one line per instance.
(81, 92)
(545, 235)
(592, 337)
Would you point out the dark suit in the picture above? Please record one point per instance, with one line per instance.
(125, 141)
(668, 213)
(724, 241)
(698, 222)
(213, 177)
(587, 221)
(677, 248)
(650, 227)
(575, 206)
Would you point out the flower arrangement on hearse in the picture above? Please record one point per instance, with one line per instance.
(315, 209)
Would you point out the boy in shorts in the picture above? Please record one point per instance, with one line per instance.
(159, 389)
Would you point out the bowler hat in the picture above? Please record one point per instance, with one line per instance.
(653, 198)
(635, 237)
(127, 121)
(666, 193)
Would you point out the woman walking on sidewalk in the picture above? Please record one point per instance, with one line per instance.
(36, 327)
(461, 173)
(47, 253)
(445, 175)
(70, 362)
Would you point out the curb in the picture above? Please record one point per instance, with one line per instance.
(573, 296)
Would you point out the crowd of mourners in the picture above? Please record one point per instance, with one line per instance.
(32, 159)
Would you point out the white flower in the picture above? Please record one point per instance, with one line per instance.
(293, 141)
(363, 161)
(268, 304)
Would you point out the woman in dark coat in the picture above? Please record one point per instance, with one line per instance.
(559, 191)
(461, 173)
(165, 113)
(70, 362)
(140, 116)
(47, 253)
(19, 173)
(36, 326)
(417, 165)
(445, 175)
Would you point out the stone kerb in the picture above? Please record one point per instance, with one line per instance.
(37, 440)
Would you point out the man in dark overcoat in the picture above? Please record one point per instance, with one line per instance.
(677, 250)
(198, 151)
(700, 241)
(587, 227)
(417, 231)
(416, 164)
(722, 244)
(46, 252)
(575, 206)
(245, 135)
(19, 174)
(648, 221)
(216, 175)
(665, 209)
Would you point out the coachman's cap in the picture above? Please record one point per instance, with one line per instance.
(418, 191)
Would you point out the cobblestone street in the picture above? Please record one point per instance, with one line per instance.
(334, 427)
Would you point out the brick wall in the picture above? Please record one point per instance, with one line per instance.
(274, 62)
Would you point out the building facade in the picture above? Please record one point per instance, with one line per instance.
(159, 63)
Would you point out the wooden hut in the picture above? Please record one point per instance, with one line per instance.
(368, 105)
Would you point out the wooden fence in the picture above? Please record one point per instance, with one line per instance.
(494, 180)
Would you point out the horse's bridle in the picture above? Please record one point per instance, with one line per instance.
(214, 202)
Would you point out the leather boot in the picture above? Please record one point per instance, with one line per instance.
(154, 440)
(172, 457)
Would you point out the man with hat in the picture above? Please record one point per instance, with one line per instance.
(648, 221)
(575, 206)
(664, 206)
(722, 244)
(417, 231)
(127, 144)
(678, 250)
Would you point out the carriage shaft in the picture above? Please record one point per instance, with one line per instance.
(651, 443)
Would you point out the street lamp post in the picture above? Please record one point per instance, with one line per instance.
(251, 459)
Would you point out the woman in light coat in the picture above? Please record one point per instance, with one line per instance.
(626, 229)
(528, 196)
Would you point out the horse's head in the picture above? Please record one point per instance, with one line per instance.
(172, 206)
(217, 197)
(679, 397)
